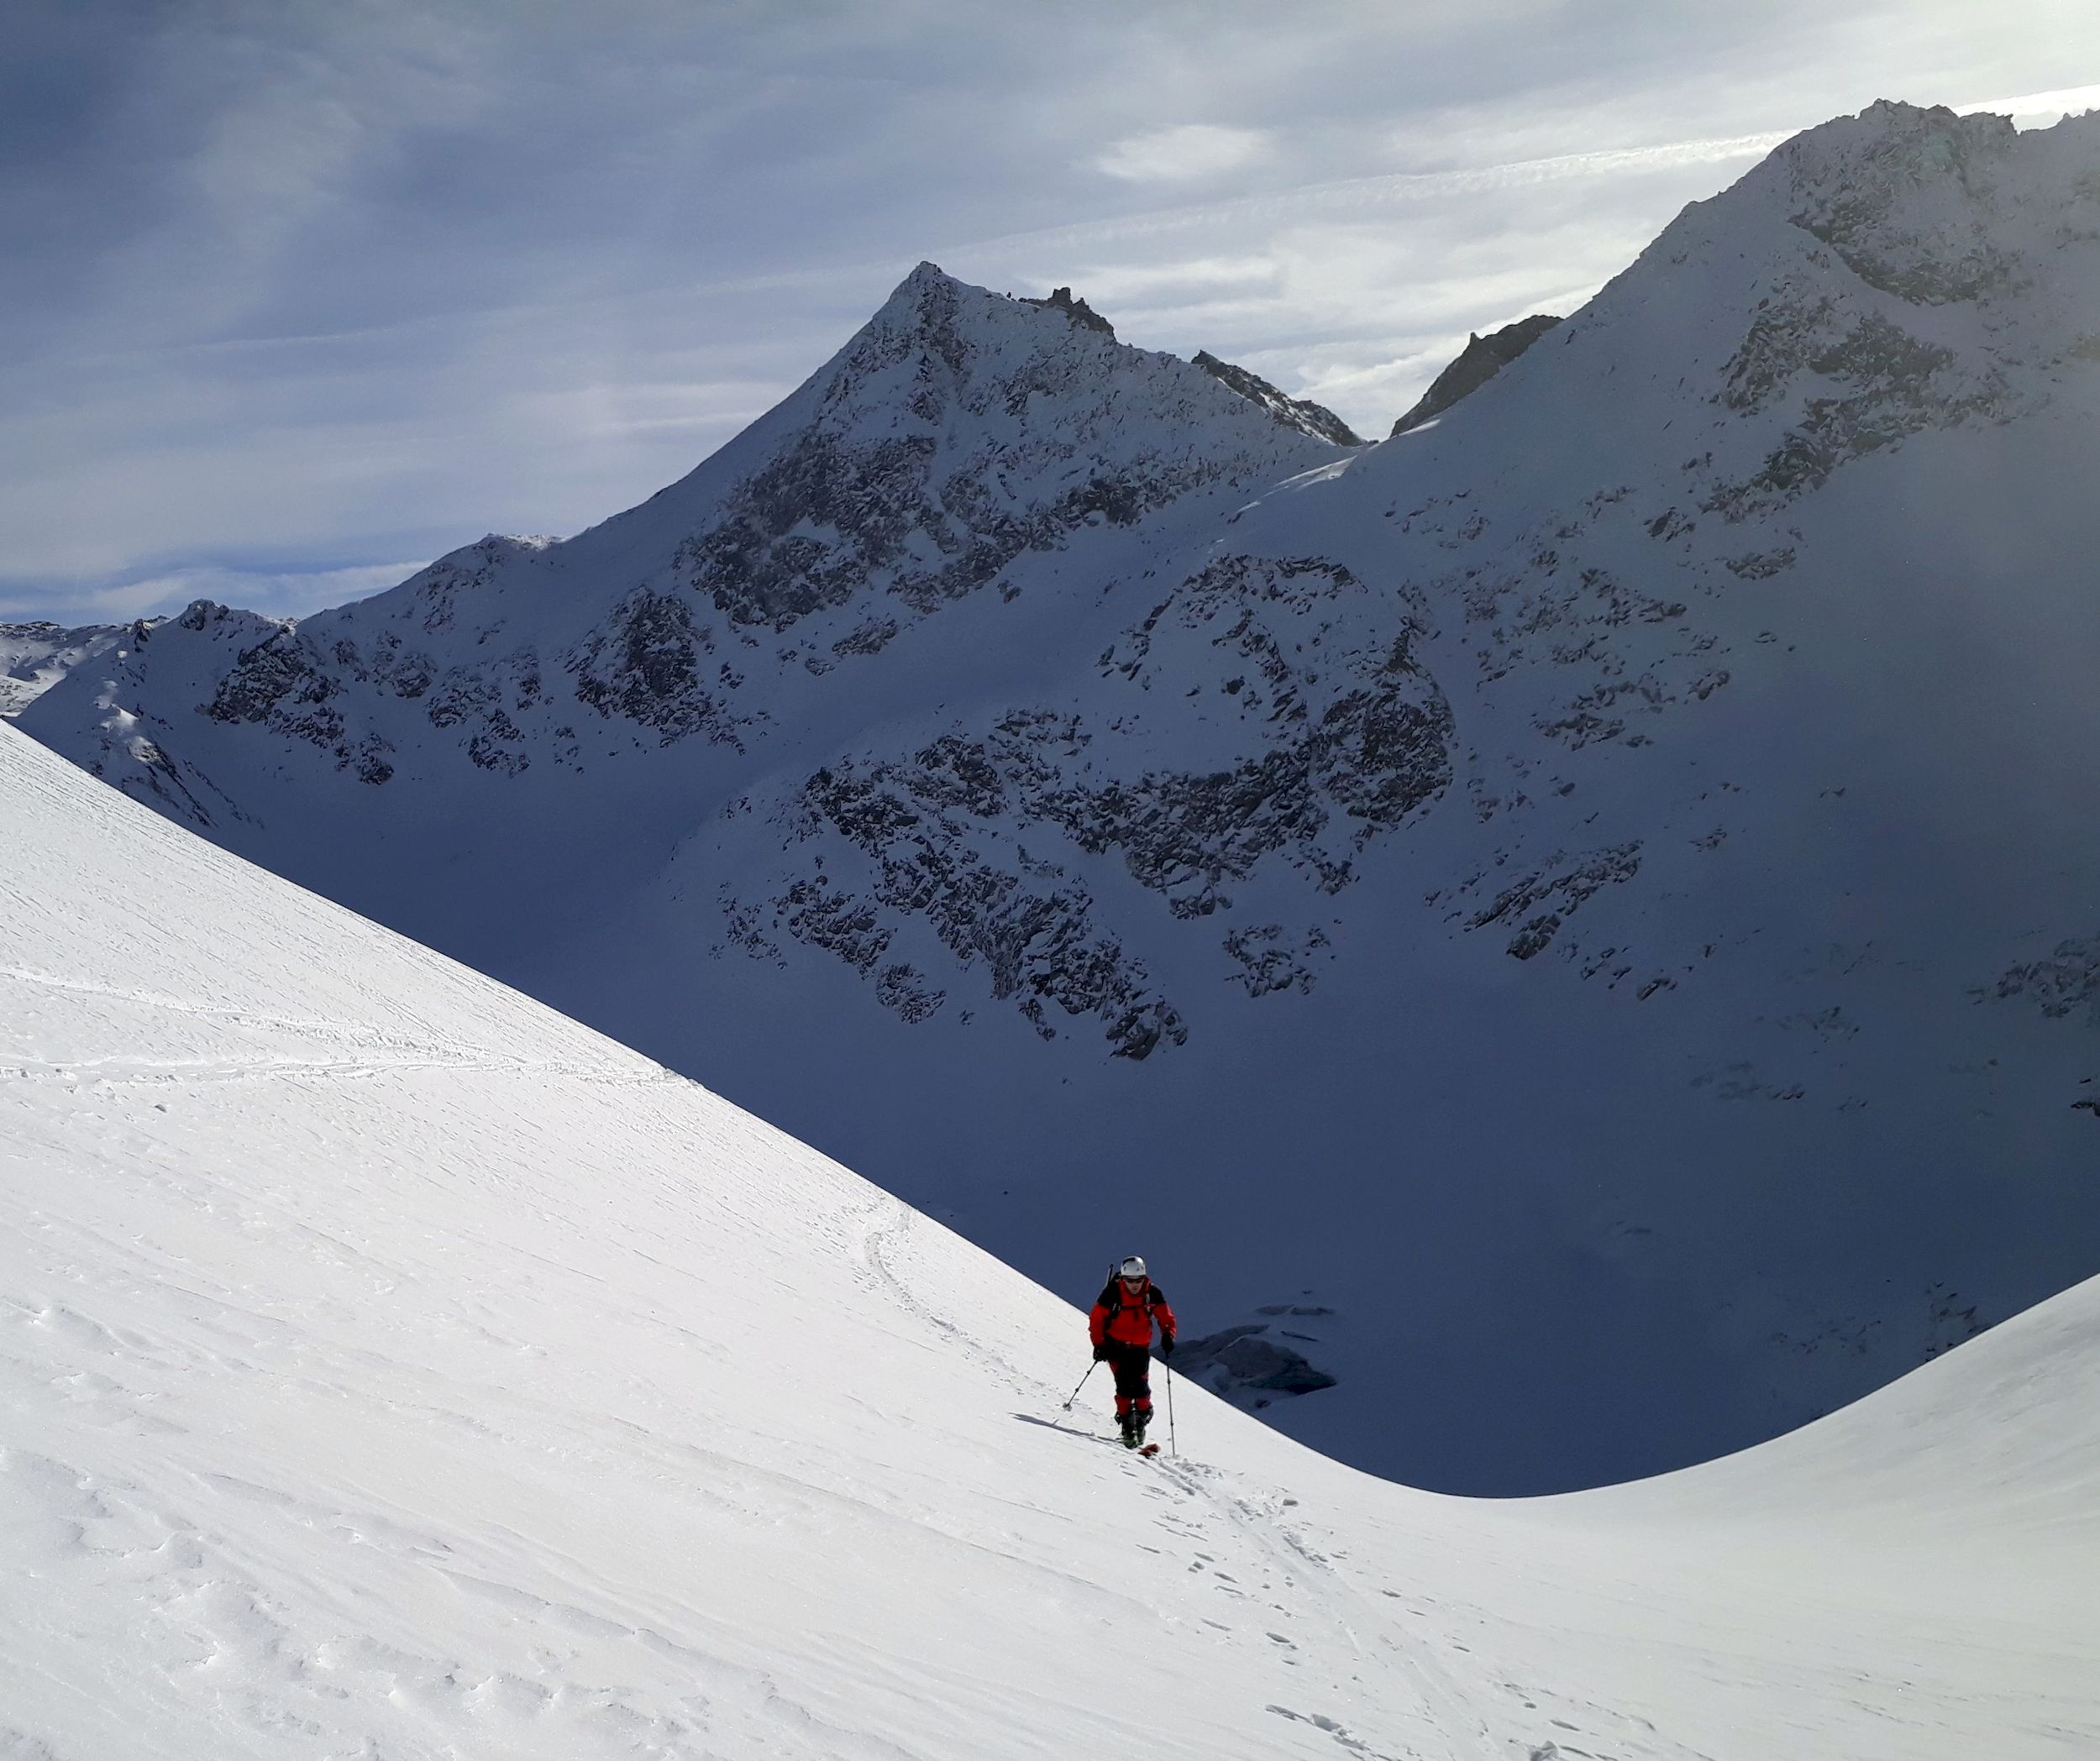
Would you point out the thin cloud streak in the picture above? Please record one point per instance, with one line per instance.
(1354, 194)
(1338, 194)
(820, 276)
(2071, 101)
(1180, 155)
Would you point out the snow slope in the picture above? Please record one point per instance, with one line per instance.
(1589, 899)
(391, 1367)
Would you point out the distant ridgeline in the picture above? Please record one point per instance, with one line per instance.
(35, 656)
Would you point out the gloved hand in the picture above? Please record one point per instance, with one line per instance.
(1101, 1353)
(1166, 1345)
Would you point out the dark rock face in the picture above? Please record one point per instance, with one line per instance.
(809, 531)
(1354, 744)
(1482, 359)
(278, 683)
(1269, 961)
(766, 565)
(1888, 384)
(2067, 983)
(978, 837)
(1293, 413)
(1561, 886)
(286, 683)
(1037, 943)
(647, 664)
(325, 690)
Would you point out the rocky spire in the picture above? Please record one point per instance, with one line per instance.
(1483, 357)
(1078, 310)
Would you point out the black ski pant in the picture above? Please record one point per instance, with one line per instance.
(1132, 1364)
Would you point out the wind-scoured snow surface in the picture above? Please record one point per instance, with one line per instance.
(1590, 898)
(389, 1367)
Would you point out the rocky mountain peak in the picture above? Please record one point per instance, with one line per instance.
(1479, 361)
(1903, 195)
(935, 337)
(957, 432)
(929, 305)
(1889, 145)
(928, 290)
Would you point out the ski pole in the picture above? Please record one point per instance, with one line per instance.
(1172, 1447)
(1075, 1393)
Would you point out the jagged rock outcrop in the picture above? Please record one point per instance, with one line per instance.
(1294, 412)
(958, 837)
(1479, 361)
(957, 434)
(1077, 311)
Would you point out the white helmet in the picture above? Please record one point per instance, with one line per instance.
(1133, 1267)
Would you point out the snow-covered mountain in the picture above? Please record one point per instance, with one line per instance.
(1586, 899)
(35, 656)
(389, 1366)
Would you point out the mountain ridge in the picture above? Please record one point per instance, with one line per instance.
(35, 655)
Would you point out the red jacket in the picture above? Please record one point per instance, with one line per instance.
(1126, 1320)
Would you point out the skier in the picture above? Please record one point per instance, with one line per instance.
(1122, 1328)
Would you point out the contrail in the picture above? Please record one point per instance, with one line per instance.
(2071, 100)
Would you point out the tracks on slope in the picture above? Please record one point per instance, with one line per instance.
(361, 1050)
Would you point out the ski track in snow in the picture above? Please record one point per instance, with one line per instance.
(390, 1368)
(388, 1050)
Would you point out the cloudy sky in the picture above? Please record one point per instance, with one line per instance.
(301, 293)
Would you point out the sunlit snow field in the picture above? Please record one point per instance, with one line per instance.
(389, 1367)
